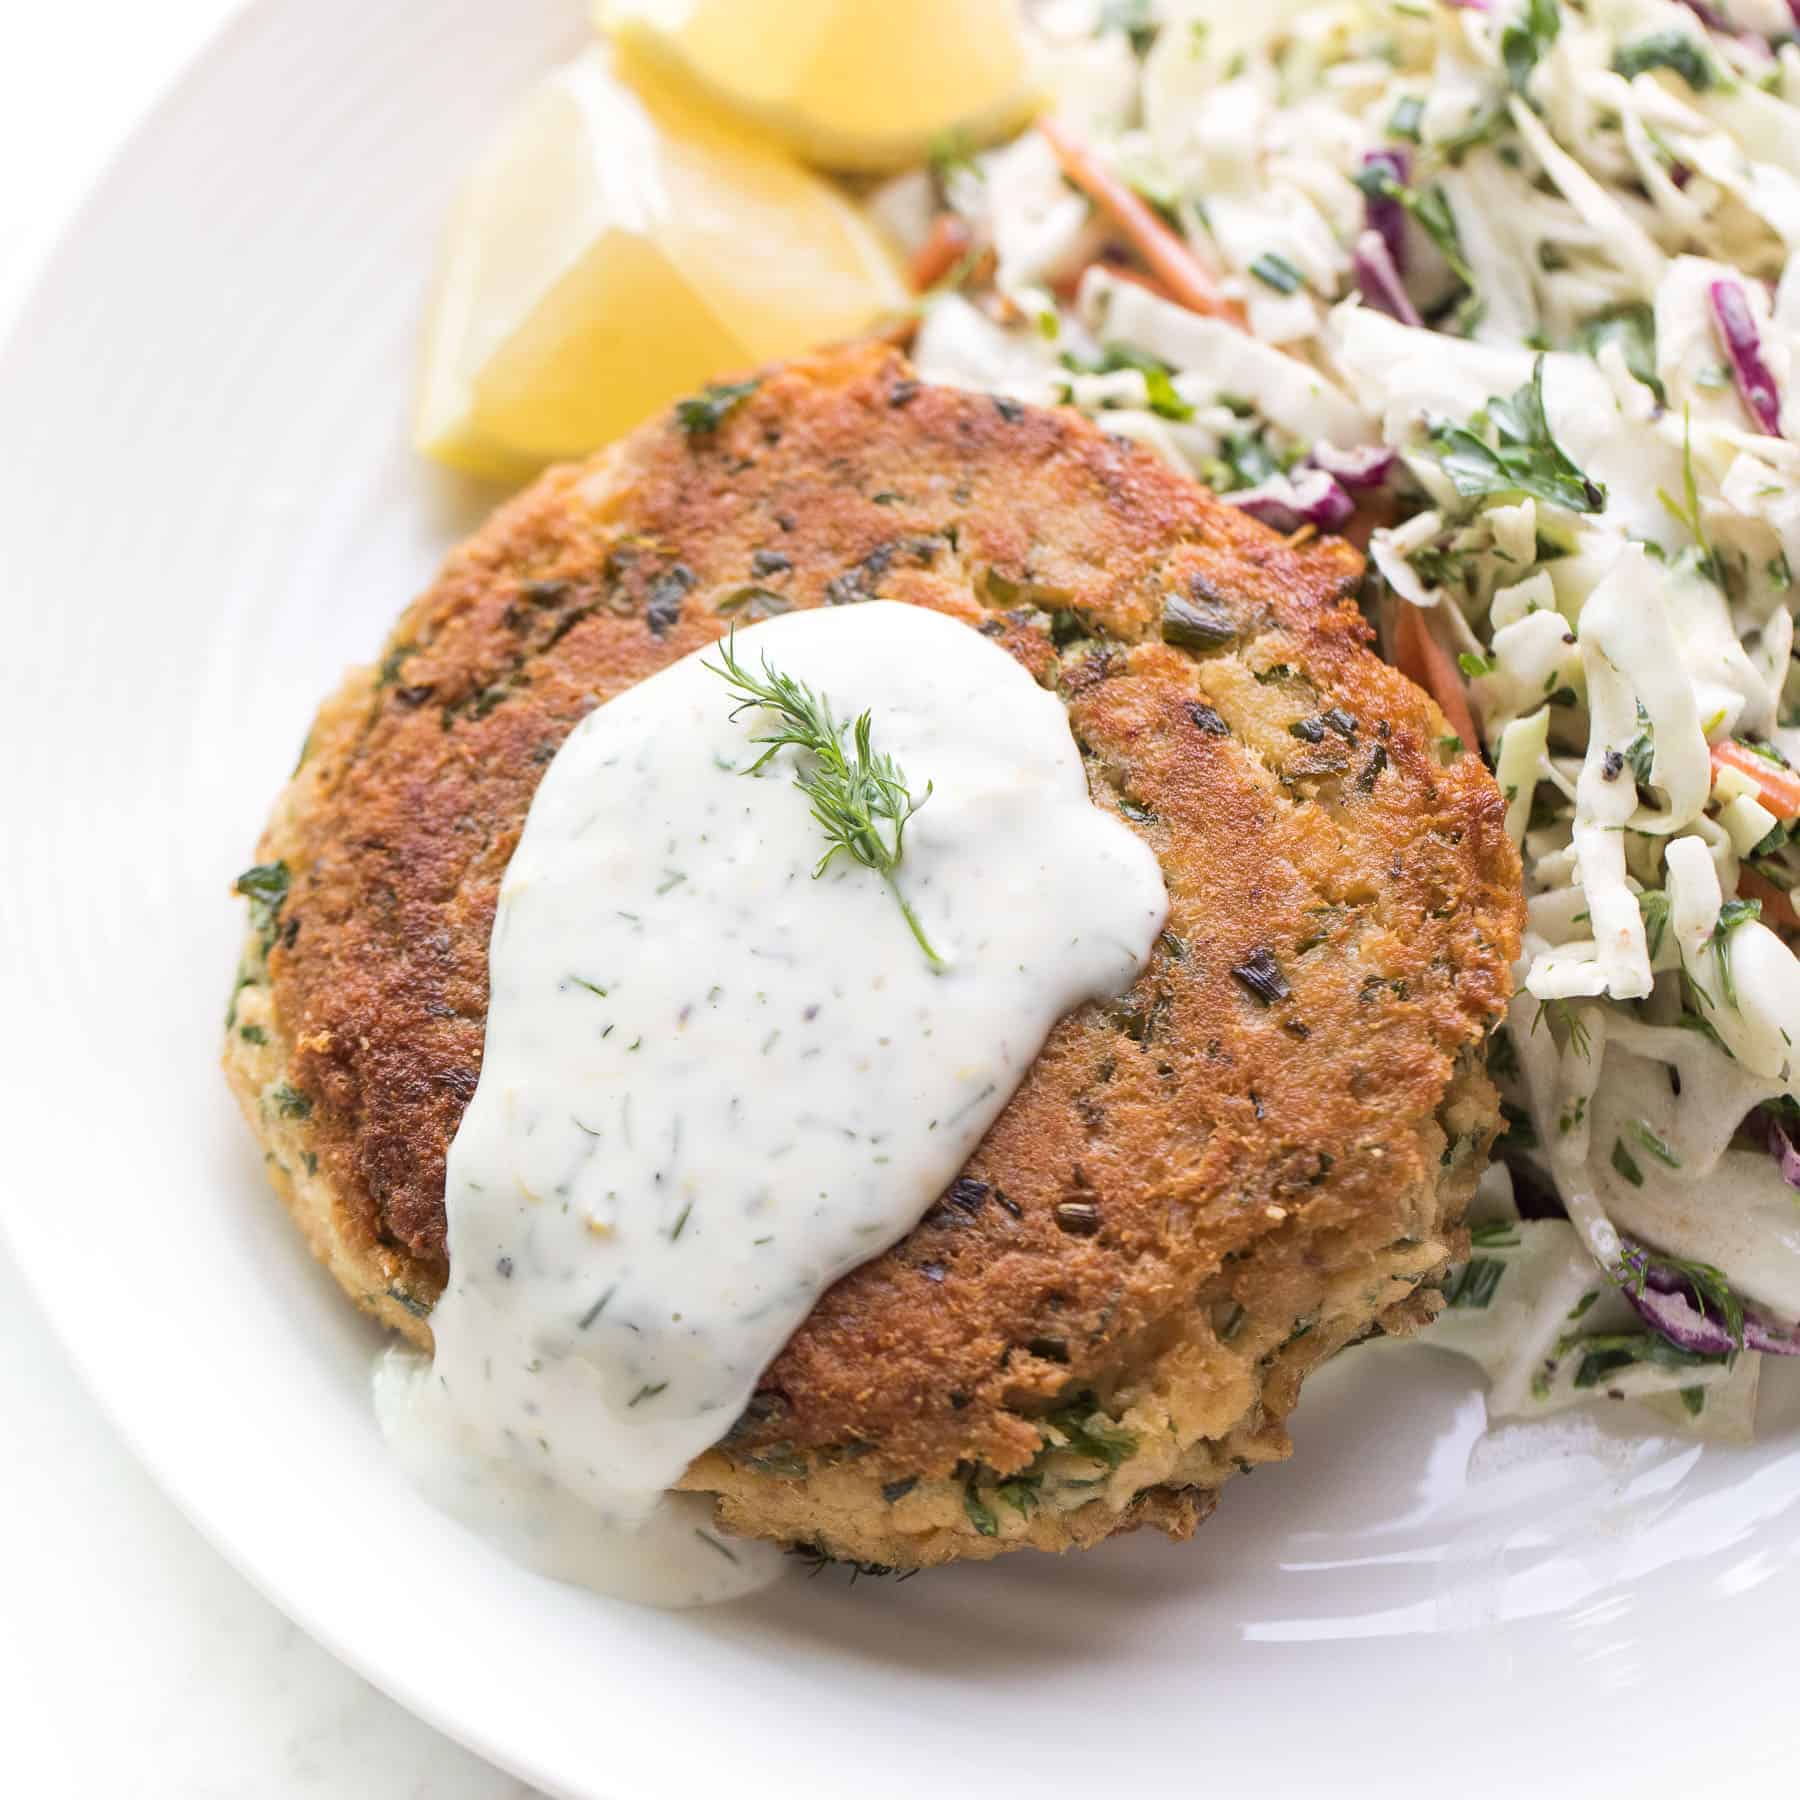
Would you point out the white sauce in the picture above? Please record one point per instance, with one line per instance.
(713, 1084)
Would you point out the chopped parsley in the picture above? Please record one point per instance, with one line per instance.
(1526, 459)
(1732, 914)
(980, 1515)
(266, 888)
(1248, 462)
(1672, 50)
(1524, 42)
(707, 410)
(1159, 387)
(1020, 1492)
(1633, 329)
(289, 1101)
(1090, 1433)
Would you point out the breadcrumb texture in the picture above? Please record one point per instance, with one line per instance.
(1198, 1193)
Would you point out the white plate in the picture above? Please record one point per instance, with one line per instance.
(207, 509)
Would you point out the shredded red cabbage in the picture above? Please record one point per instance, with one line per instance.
(1286, 502)
(1771, 1340)
(1387, 215)
(1736, 326)
(1379, 281)
(1670, 1301)
(1366, 467)
(1781, 1146)
(1710, 17)
(1676, 1318)
(1714, 20)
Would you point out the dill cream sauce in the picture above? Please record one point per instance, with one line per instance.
(713, 1084)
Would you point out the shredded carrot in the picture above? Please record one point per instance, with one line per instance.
(1779, 788)
(1373, 511)
(1170, 260)
(1777, 907)
(944, 247)
(1421, 658)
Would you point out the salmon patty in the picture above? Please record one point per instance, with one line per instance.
(1199, 1192)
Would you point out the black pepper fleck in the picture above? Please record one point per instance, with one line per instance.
(1261, 975)
(967, 1194)
(663, 608)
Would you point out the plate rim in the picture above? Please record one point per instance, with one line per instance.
(204, 64)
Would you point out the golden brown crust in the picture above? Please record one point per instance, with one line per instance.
(1199, 1142)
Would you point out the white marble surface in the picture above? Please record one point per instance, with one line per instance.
(133, 1660)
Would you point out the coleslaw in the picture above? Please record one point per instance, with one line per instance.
(1509, 291)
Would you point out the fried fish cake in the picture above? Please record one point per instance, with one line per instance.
(1200, 1191)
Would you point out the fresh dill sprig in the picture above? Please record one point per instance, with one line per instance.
(1567, 1024)
(817, 1559)
(860, 800)
(1707, 1288)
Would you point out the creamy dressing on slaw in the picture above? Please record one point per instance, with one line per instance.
(712, 1084)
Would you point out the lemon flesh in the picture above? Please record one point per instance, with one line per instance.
(616, 249)
(847, 84)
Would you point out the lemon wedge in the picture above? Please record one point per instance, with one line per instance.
(847, 84)
(617, 248)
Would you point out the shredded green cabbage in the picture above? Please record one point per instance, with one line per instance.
(1600, 526)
